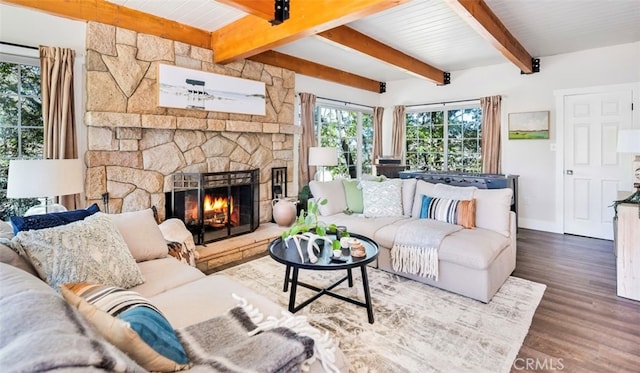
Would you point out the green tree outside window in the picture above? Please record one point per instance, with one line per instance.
(21, 128)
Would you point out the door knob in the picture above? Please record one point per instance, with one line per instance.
(569, 172)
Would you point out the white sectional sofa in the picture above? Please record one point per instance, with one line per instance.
(472, 262)
(183, 294)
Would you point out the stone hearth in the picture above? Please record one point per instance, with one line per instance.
(134, 145)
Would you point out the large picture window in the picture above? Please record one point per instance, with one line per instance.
(445, 139)
(351, 132)
(21, 128)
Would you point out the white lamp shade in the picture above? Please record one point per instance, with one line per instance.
(629, 141)
(40, 178)
(323, 156)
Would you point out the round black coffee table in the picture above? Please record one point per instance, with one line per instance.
(290, 258)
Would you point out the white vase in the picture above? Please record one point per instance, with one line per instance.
(284, 212)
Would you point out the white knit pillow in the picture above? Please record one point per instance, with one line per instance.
(382, 199)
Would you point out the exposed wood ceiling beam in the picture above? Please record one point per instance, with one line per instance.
(259, 8)
(355, 40)
(480, 17)
(115, 15)
(251, 35)
(315, 70)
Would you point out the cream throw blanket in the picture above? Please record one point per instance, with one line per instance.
(415, 247)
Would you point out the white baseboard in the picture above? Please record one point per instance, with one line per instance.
(540, 225)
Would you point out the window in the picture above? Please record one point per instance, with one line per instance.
(445, 140)
(350, 131)
(21, 128)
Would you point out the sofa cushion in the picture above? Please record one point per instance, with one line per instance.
(10, 257)
(131, 323)
(422, 188)
(475, 248)
(54, 219)
(408, 193)
(90, 250)
(142, 234)
(353, 194)
(382, 199)
(460, 212)
(156, 279)
(492, 209)
(41, 332)
(333, 192)
(361, 225)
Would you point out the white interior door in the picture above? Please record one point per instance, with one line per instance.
(592, 169)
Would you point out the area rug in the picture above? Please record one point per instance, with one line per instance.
(418, 328)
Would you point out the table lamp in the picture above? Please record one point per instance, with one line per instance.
(322, 157)
(43, 179)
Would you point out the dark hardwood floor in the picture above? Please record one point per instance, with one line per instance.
(580, 325)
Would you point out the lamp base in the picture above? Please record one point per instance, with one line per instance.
(46, 206)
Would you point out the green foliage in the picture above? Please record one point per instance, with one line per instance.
(339, 128)
(445, 145)
(21, 128)
(308, 221)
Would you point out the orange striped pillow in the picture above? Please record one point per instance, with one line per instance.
(460, 212)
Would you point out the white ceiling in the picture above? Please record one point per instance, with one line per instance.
(431, 32)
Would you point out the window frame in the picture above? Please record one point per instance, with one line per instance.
(360, 111)
(20, 56)
(446, 108)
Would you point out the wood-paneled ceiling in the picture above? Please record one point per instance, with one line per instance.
(362, 43)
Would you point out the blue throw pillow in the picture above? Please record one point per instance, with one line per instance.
(54, 219)
(156, 331)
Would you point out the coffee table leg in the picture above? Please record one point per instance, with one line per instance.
(367, 294)
(286, 279)
(350, 277)
(292, 295)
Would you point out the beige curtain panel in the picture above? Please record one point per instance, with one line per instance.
(308, 139)
(60, 139)
(397, 138)
(377, 133)
(491, 121)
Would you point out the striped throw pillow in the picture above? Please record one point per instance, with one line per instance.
(131, 323)
(453, 211)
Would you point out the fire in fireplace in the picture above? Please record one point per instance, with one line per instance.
(216, 205)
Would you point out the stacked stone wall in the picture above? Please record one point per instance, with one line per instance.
(134, 146)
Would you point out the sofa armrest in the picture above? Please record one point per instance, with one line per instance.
(513, 229)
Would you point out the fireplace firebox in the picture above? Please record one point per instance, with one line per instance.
(216, 205)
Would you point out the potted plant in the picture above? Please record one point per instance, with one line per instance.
(308, 228)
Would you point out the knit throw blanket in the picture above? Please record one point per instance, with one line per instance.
(237, 342)
(415, 248)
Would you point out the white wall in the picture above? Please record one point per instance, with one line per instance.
(533, 160)
(32, 28)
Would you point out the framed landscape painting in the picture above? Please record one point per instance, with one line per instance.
(533, 125)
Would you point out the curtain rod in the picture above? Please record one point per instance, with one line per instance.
(444, 102)
(344, 102)
(18, 45)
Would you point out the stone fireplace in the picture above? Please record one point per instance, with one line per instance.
(215, 205)
(134, 146)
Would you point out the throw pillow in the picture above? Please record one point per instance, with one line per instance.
(382, 199)
(460, 212)
(131, 323)
(353, 194)
(333, 191)
(90, 250)
(54, 219)
(141, 234)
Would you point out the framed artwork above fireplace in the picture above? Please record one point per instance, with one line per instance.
(183, 88)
